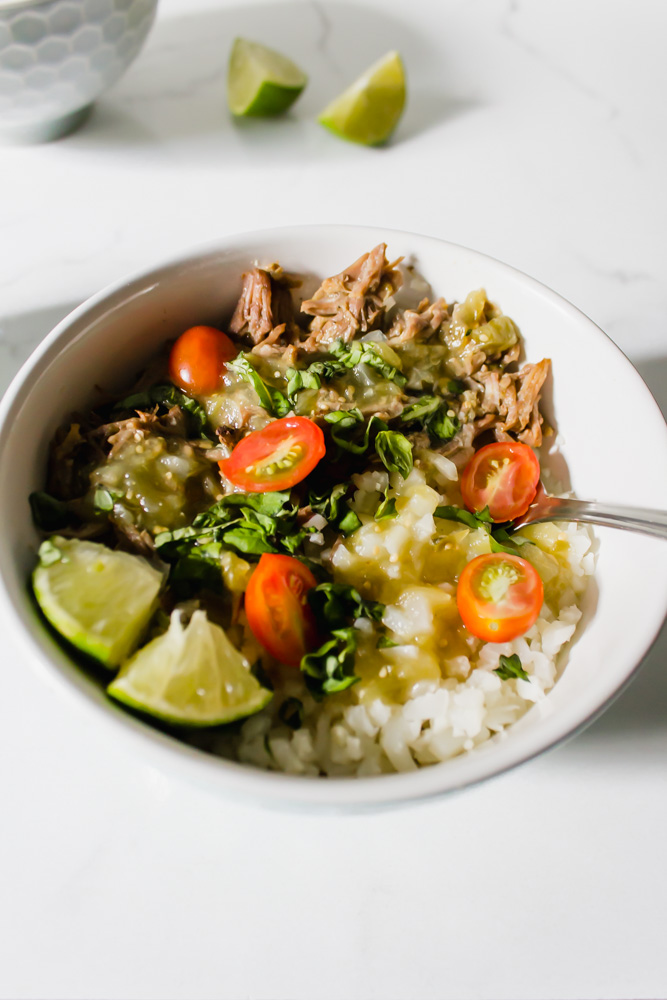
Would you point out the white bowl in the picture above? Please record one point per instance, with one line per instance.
(614, 440)
(57, 56)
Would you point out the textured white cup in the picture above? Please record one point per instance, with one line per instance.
(57, 56)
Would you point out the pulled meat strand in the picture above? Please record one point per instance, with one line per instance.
(428, 317)
(507, 403)
(264, 310)
(352, 301)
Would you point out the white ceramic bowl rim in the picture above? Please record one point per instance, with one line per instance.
(277, 789)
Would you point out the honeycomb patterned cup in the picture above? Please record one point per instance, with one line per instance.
(57, 56)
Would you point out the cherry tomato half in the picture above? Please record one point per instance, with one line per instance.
(499, 596)
(277, 457)
(502, 476)
(277, 609)
(198, 357)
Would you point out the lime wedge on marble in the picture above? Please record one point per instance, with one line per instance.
(369, 110)
(260, 81)
(99, 599)
(190, 676)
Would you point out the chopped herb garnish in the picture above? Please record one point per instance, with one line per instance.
(384, 642)
(49, 513)
(297, 380)
(335, 508)
(104, 499)
(433, 414)
(387, 509)
(367, 353)
(349, 430)
(482, 519)
(291, 713)
(330, 669)
(336, 604)
(510, 666)
(500, 538)
(248, 523)
(395, 452)
(455, 387)
(443, 426)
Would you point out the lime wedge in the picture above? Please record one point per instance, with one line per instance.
(190, 676)
(261, 81)
(99, 599)
(369, 110)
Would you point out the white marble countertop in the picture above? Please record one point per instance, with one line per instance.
(534, 133)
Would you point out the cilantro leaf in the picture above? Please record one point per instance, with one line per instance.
(249, 523)
(349, 430)
(299, 379)
(464, 516)
(311, 377)
(330, 669)
(291, 713)
(443, 426)
(336, 604)
(104, 499)
(510, 666)
(433, 414)
(395, 452)
(421, 410)
(367, 353)
(387, 508)
(334, 507)
(500, 538)
(49, 513)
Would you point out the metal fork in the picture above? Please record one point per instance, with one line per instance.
(547, 508)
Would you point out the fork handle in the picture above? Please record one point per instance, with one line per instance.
(642, 519)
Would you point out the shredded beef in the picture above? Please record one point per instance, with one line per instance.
(426, 319)
(353, 301)
(264, 312)
(513, 399)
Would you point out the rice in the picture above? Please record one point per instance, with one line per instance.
(451, 699)
(456, 702)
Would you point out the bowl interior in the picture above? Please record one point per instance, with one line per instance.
(613, 438)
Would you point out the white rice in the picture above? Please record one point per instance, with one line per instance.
(438, 719)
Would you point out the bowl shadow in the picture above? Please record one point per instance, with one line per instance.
(640, 711)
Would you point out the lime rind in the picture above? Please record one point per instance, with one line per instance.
(99, 599)
(190, 676)
(369, 110)
(260, 81)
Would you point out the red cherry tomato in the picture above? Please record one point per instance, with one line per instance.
(277, 609)
(499, 596)
(502, 476)
(277, 457)
(197, 359)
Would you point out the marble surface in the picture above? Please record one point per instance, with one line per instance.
(533, 133)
